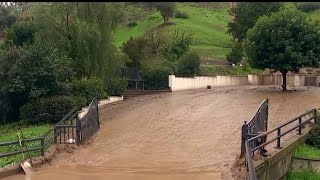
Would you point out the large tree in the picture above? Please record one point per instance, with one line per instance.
(284, 41)
(84, 31)
(245, 15)
(167, 10)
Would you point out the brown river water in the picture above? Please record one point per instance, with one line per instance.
(182, 135)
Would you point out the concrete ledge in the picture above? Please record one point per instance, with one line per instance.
(278, 165)
(300, 164)
(36, 162)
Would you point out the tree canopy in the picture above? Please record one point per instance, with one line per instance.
(166, 9)
(285, 41)
(245, 15)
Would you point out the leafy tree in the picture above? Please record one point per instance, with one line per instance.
(26, 75)
(83, 31)
(176, 47)
(245, 15)
(167, 10)
(20, 33)
(236, 54)
(134, 48)
(7, 17)
(188, 65)
(285, 41)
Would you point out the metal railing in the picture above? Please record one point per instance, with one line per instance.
(307, 116)
(89, 124)
(68, 128)
(257, 125)
(40, 144)
(135, 84)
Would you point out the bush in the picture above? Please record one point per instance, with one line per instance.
(236, 55)
(47, 110)
(182, 15)
(308, 6)
(313, 138)
(88, 88)
(156, 77)
(116, 86)
(132, 24)
(188, 65)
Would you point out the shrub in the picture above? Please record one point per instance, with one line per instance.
(177, 47)
(116, 86)
(47, 110)
(182, 15)
(132, 24)
(188, 65)
(308, 6)
(313, 138)
(236, 55)
(88, 88)
(156, 77)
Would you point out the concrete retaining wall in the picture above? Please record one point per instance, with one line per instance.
(278, 165)
(299, 164)
(184, 83)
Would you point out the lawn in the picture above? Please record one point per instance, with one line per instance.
(212, 70)
(304, 175)
(9, 133)
(307, 151)
(208, 27)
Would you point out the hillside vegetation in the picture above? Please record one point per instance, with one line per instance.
(207, 24)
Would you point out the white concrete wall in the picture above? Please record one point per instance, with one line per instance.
(101, 103)
(184, 83)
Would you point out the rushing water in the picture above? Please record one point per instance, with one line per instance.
(182, 135)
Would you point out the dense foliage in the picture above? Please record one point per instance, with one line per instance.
(188, 65)
(285, 41)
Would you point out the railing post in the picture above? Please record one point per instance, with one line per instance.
(136, 85)
(78, 131)
(244, 136)
(315, 116)
(42, 146)
(55, 134)
(278, 139)
(300, 121)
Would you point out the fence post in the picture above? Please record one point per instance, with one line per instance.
(278, 139)
(55, 134)
(42, 146)
(315, 116)
(78, 131)
(98, 116)
(299, 133)
(244, 136)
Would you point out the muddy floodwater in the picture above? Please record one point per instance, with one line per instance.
(183, 135)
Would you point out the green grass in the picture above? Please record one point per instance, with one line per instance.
(208, 28)
(9, 133)
(212, 70)
(307, 151)
(304, 175)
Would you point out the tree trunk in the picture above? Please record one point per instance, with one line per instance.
(284, 79)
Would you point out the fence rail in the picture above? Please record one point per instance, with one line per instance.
(302, 120)
(257, 125)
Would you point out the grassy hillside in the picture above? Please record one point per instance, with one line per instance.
(207, 26)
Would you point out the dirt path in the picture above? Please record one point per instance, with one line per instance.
(182, 135)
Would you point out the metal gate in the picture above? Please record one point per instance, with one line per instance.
(257, 125)
(89, 124)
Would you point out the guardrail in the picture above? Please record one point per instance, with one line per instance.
(258, 124)
(307, 116)
(40, 144)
